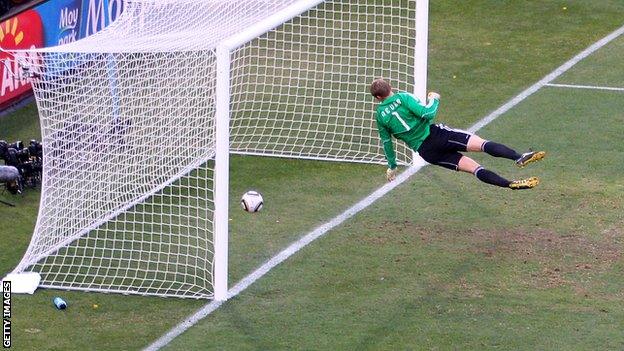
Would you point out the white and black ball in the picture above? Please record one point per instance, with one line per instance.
(252, 201)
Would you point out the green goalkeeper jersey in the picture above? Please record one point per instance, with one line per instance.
(404, 117)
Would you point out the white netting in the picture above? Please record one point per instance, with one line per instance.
(302, 90)
(127, 118)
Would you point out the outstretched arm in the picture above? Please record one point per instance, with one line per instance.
(428, 111)
(386, 140)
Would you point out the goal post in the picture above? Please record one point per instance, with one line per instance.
(420, 49)
(139, 121)
(421, 54)
(222, 169)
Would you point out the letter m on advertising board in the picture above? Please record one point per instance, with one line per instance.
(99, 14)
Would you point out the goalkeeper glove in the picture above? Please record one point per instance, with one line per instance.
(433, 95)
(391, 174)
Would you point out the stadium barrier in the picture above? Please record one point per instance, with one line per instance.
(45, 24)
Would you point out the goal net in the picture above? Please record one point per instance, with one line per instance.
(134, 191)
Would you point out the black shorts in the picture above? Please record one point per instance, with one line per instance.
(443, 145)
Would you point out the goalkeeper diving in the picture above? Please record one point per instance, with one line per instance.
(403, 116)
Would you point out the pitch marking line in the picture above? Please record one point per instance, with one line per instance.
(584, 87)
(323, 229)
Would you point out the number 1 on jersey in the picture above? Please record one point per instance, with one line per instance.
(396, 114)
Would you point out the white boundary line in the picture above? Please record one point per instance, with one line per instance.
(584, 87)
(546, 80)
(323, 229)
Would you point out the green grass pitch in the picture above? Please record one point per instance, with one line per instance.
(443, 262)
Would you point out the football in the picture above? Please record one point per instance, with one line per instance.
(252, 201)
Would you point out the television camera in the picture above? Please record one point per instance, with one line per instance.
(23, 165)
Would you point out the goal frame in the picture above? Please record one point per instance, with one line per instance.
(222, 116)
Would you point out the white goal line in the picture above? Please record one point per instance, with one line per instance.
(323, 229)
(575, 86)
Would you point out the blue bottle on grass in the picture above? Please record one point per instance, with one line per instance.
(59, 303)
